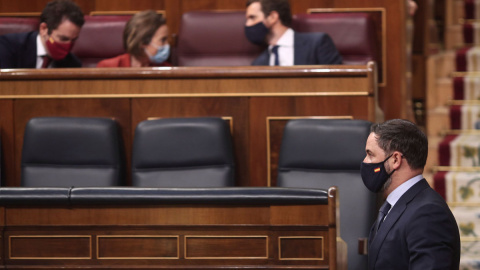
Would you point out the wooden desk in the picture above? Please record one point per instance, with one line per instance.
(204, 235)
(258, 100)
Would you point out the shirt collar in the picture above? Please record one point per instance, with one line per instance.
(286, 40)
(40, 48)
(393, 198)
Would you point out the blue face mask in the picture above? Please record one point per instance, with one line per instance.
(161, 56)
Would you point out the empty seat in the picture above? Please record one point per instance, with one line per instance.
(10, 25)
(70, 151)
(101, 37)
(214, 38)
(183, 152)
(322, 153)
(354, 33)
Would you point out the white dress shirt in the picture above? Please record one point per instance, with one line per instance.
(393, 197)
(41, 52)
(285, 49)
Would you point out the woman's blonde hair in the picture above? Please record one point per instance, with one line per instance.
(140, 30)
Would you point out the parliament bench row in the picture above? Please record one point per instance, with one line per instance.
(138, 228)
(211, 38)
(190, 160)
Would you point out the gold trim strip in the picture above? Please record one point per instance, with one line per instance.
(465, 74)
(469, 239)
(123, 12)
(455, 169)
(48, 236)
(460, 131)
(225, 236)
(138, 236)
(21, 14)
(276, 118)
(383, 13)
(300, 237)
(286, 94)
(460, 204)
(463, 102)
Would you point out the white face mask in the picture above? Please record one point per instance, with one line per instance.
(161, 55)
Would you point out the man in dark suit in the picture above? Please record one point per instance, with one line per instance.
(269, 21)
(60, 24)
(415, 228)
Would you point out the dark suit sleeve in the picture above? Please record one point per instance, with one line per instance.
(326, 52)
(433, 239)
(7, 53)
(70, 61)
(262, 59)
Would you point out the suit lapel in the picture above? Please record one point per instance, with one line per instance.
(30, 57)
(391, 219)
(299, 51)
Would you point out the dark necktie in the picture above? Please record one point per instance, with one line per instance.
(46, 61)
(275, 53)
(381, 216)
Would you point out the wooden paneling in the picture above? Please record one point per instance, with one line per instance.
(52, 247)
(392, 96)
(25, 109)
(249, 95)
(7, 143)
(302, 248)
(226, 247)
(138, 247)
(172, 236)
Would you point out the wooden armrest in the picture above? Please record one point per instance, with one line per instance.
(363, 246)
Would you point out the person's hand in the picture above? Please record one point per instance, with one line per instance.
(412, 7)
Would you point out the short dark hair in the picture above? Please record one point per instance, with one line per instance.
(405, 137)
(280, 6)
(55, 12)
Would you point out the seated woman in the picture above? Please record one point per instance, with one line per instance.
(145, 38)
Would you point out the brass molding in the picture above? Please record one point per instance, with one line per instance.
(455, 169)
(284, 118)
(123, 12)
(460, 132)
(48, 236)
(300, 237)
(189, 95)
(383, 13)
(463, 102)
(226, 236)
(21, 14)
(138, 236)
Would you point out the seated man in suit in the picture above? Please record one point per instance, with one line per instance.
(415, 228)
(269, 21)
(60, 24)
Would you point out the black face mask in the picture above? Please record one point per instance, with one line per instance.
(257, 33)
(374, 175)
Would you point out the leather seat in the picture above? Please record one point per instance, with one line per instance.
(70, 151)
(183, 152)
(354, 34)
(214, 38)
(101, 37)
(322, 153)
(10, 25)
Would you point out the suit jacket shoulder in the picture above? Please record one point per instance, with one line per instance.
(18, 50)
(419, 232)
(315, 49)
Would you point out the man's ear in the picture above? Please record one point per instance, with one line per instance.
(397, 158)
(272, 18)
(43, 29)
